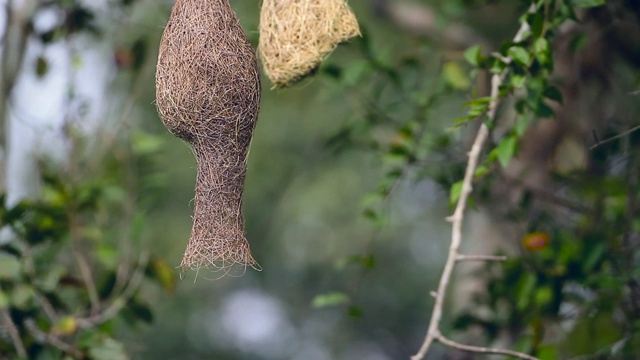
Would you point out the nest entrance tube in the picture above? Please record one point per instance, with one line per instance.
(208, 94)
(296, 35)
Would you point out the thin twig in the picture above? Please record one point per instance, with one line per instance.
(42, 336)
(87, 278)
(13, 333)
(480, 258)
(618, 136)
(47, 307)
(482, 350)
(119, 302)
(433, 333)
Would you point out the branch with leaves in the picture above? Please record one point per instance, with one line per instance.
(454, 256)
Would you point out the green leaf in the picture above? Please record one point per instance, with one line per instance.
(355, 72)
(144, 143)
(505, 150)
(520, 55)
(140, 310)
(593, 257)
(547, 352)
(522, 124)
(331, 70)
(518, 80)
(368, 261)
(354, 312)
(473, 55)
(330, 299)
(543, 110)
(108, 349)
(525, 289)
(536, 23)
(543, 296)
(159, 270)
(542, 50)
(481, 171)
(455, 76)
(454, 195)
(553, 93)
(22, 295)
(399, 150)
(4, 300)
(9, 267)
(107, 255)
(587, 3)
(42, 66)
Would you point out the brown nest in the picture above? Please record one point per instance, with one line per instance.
(208, 93)
(296, 35)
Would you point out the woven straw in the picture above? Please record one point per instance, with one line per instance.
(296, 35)
(208, 93)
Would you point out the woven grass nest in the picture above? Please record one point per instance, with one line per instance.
(296, 35)
(208, 93)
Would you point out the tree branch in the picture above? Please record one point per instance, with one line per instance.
(433, 333)
(482, 350)
(461, 257)
(42, 336)
(120, 301)
(618, 136)
(13, 333)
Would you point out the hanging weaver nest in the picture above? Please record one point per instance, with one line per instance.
(296, 35)
(208, 93)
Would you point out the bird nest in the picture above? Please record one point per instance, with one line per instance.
(208, 93)
(296, 35)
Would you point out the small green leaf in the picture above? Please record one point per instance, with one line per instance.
(547, 352)
(454, 195)
(455, 76)
(518, 80)
(368, 261)
(536, 23)
(522, 124)
(140, 310)
(4, 300)
(505, 150)
(107, 255)
(473, 55)
(330, 299)
(370, 214)
(9, 266)
(144, 144)
(587, 3)
(354, 312)
(355, 72)
(331, 70)
(543, 296)
(526, 286)
(520, 55)
(553, 93)
(543, 110)
(162, 272)
(372, 198)
(22, 295)
(108, 349)
(542, 50)
(481, 171)
(42, 66)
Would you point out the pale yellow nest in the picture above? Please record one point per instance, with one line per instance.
(296, 35)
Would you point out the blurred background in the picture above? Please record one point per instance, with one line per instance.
(347, 190)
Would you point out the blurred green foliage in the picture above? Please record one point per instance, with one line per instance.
(67, 274)
(349, 176)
